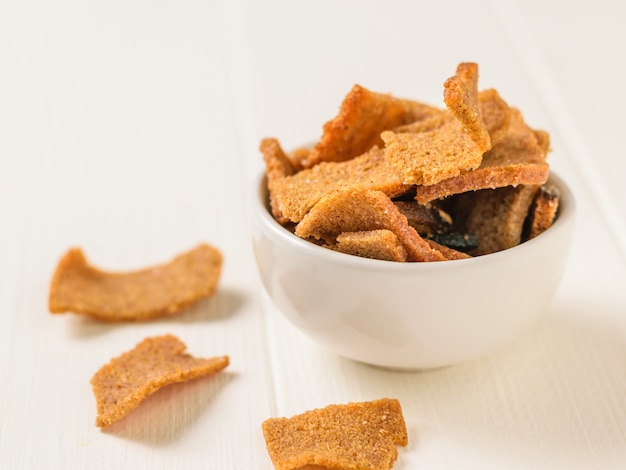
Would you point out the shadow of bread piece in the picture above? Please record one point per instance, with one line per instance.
(542, 212)
(362, 116)
(519, 158)
(357, 210)
(497, 216)
(295, 195)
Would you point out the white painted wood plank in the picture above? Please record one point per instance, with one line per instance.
(129, 150)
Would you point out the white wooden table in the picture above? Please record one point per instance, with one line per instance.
(130, 128)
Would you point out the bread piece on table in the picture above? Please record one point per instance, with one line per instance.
(127, 380)
(157, 291)
(543, 211)
(354, 436)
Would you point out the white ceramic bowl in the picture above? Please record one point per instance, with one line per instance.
(410, 315)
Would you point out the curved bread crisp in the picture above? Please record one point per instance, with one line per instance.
(277, 165)
(460, 94)
(157, 291)
(431, 150)
(356, 210)
(122, 384)
(295, 195)
(519, 158)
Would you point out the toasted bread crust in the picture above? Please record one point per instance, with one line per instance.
(363, 115)
(460, 94)
(127, 380)
(543, 211)
(355, 436)
(376, 244)
(149, 293)
(358, 209)
(296, 194)
(434, 150)
(519, 158)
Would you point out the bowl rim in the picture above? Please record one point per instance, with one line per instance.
(260, 207)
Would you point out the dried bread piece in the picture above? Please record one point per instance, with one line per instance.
(298, 156)
(449, 253)
(376, 244)
(358, 209)
(295, 195)
(354, 436)
(495, 113)
(363, 115)
(277, 165)
(431, 151)
(543, 140)
(122, 384)
(497, 217)
(427, 219)
(460, 94)
(140, 295)
(543, 211)
(519, 158)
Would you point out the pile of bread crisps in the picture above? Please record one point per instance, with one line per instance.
(399, 180)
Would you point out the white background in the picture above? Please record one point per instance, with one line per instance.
(130, 128)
